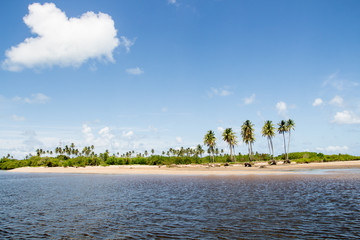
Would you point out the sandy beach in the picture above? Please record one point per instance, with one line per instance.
(211, 169)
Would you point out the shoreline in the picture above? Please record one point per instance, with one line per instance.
(259, 168)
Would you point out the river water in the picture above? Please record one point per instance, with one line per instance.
(76, 206)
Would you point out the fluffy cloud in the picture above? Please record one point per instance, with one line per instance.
(87, 131)
(134, 71)
(281, 108)
(317, 102)
(220, 129)
(250, 99)
(346, 117)
(63, 41)
(337, 101)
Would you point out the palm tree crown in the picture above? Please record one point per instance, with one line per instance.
(290, 125)
(210, 141)
(268, 131)
(247, 134)
(282, 129)
(230, 137)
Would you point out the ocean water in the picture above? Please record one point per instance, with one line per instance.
(75, 206)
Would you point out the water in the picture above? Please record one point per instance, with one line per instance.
(65, 206)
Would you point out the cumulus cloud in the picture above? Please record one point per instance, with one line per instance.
(346, 117)
(250, 99)
(134, 71)
(333, 149)
(63, 41)
(220, 129)
(337, 101)
(87, 131)
(281, 108)
(317, 102)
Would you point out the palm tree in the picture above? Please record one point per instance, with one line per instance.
(282, 129)
(248, 136)
(199, 150)
(230, 137)
(290, 124)
(210, 141)
(268, 131)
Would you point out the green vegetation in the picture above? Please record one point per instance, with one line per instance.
(69, 156)
(104, 159)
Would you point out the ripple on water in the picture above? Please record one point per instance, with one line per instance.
(132, 207)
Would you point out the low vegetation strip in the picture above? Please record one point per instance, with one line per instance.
(104, 159)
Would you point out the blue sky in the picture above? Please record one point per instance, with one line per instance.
(135, 75)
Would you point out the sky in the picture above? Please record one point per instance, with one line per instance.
(140, 75)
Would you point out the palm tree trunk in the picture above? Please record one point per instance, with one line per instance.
(284, 144)
(287, 155)
(231, 152)
(249, 152)
(268, 142)
(234, 152)
(272, 149)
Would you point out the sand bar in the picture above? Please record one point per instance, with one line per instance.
(211, 169)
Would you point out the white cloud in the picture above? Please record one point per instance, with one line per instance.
(172, 1)
(250, 99)
(134, 71)
(337, 100)
(87, 131)
(105, 133)
(346, 117)
(37, 98)
(127, 43)
(17, 118)
(281, 108)
(333, 149)
(219, 92)
(220, 129)
(62, 41)
(317, 102)
(128, 134)
(179, 140)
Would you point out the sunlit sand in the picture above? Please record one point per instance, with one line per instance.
(210, 169)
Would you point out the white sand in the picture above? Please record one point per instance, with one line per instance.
(236, 169)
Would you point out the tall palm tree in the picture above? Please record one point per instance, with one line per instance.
(282, 129)
(290, 124)
(268, 131)
(210, 141)
(248, 136)
(230, 137)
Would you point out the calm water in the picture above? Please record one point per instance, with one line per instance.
(63, 206)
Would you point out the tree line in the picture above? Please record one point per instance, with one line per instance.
(248, 137)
